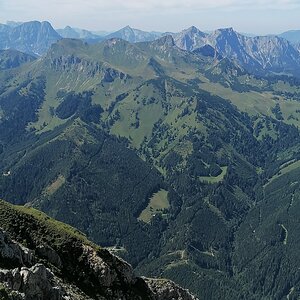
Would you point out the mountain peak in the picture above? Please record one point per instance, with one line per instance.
(46, 23)
(224, 34)
(33, 37)
(65, 46)
(35, 25)
(192, 29)
(133, 35)
(166, 40)
(228, 30)
(127, 30)
(190, 38)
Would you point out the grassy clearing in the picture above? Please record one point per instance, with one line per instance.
(211, 180)
(259, 170)
(54, 186)
(132, 110)
(251, 102)
(256, 103)
(47, 120)
(284, 170)
(158, 202)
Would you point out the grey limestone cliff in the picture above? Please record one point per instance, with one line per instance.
(38, 274)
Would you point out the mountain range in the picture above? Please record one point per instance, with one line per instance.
(33, 38)
(133, 35)
(76, 33)
(258, 55)
(180, 155)
(292, 36)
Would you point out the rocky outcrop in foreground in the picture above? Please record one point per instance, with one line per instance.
(60, 263)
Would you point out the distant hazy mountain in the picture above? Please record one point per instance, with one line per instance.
(249, 34)
(101, 32)
(12, 58)
(265, 52)
(190, 39)
(3, 33)
(133, 35)
(30, 37)
(292, 36)
(13, 23)
(257, 54)
(76, 33)
(3, 28)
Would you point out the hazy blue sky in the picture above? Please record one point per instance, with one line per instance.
(257, 16)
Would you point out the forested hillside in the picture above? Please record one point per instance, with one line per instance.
(183, 163)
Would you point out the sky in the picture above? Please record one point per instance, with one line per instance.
(247, 16)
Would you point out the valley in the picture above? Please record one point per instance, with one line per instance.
(177, 157)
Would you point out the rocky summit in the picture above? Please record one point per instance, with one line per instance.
(259, 55)
(30, 37)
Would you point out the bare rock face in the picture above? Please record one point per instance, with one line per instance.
(33, 283)
(14, 254)
(168, 290)
(105, 275)
(270, 53)
(29, 37)
(43, 274)
(24, 279)
(190, 38)
(109, 272)
(50, 254)
(38, 282)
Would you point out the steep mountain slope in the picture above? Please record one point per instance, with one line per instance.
(190, 39)
(256, 54)
(133, 35)
(157, 152)
(292, 36)
(60, 263)
(12, 59)
(4, 27)
(266, 53)
(270, 235)
(29, 37)
(105, 186)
